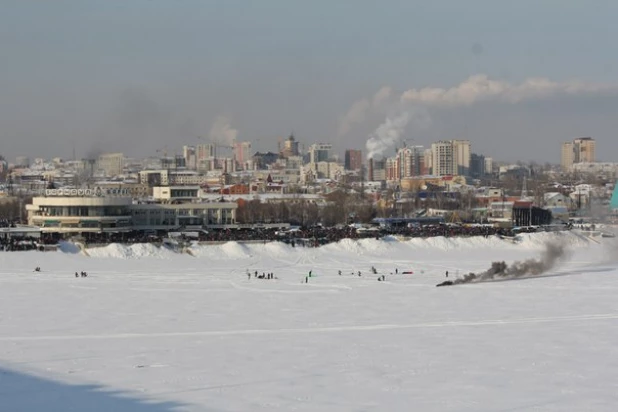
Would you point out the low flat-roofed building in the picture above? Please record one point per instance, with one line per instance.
(175, 193)
(79, 211)
(80, 214)
(167, 216)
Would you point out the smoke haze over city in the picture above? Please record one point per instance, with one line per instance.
(516, 79)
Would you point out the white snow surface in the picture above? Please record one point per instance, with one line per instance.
(154, 330)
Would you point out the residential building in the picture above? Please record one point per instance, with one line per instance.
(427, 162)
(566, 156)
(242, 154)
(580, 150)
(262, 160)
(489, 165)
(190, 156)
(451, 157)
(407, 162)
(204, 152)
(584, 149)
(353, 159)
(478, 165)
(111, 163)
(22, 161)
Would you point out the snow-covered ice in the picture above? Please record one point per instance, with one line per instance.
(153, 330)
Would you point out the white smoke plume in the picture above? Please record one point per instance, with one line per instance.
(355, 115)
(475, 89)
(381, 97)
(359, 110)
(481, 88)
(222, 131)
(389, 133)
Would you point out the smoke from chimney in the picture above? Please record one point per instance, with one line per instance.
(554, 253)
(388, 135)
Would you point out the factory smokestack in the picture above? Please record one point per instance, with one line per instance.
(532, 267)
(370, 170)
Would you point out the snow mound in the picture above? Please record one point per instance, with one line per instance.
(274, 249)
(449, 243)
(235, 250)
(537, 240)
(228, 250)
(441, 243)
(358, 247)
(136, 251)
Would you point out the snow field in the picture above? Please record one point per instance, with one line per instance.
(191, 332)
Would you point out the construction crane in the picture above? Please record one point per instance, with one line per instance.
(165, 161)
(216, 145)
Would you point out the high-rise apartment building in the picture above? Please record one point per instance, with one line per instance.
(489, 165)
(566, 156)
(242, 153)
(353, 159)
(407, 162)
(584, 150)
(427, 162)
(580, 150)
(189, 154)
(451, 157)
(204, 151)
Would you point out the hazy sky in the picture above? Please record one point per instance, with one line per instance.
(138, 75)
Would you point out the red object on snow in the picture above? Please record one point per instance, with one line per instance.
(409, 272)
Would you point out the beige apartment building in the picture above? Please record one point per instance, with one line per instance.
(580, 150)
(451, 157)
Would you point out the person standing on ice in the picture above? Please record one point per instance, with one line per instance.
(447, 273)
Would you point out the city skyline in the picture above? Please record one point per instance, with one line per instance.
(136, 77)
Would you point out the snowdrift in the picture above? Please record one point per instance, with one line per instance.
(136, 251)
(364, 247)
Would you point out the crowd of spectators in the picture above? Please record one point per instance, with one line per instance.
(18, 243)
(6, 222)
(452, 231)
(301, 236)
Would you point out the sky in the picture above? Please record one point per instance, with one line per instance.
(515, 78)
